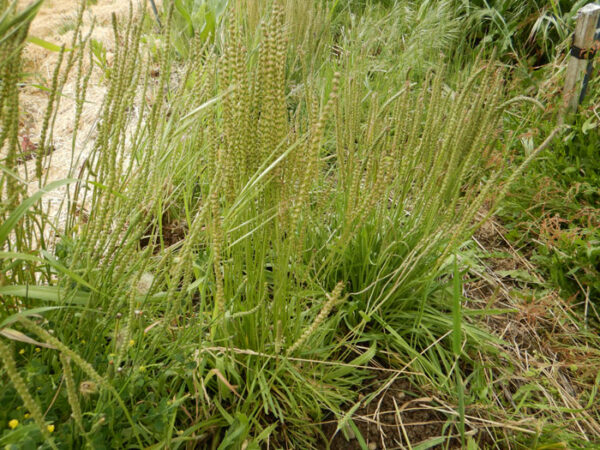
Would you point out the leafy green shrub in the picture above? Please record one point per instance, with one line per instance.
(556, 207)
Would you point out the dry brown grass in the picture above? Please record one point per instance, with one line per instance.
(546, 349)
(51, 24)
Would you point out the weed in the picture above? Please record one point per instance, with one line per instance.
(324, 196)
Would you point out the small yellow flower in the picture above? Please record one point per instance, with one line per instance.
(37, 349)
(142, 369)
(27, 415)
(13, 424)
(131, 342)
(83, 341)
(50, 428)
(22, 351)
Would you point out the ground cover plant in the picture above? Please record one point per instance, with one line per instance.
(554, 213)
(277, 234)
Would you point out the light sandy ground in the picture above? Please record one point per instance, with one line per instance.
(54, 24)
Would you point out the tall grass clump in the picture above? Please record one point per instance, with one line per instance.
(232, 241)
(24, 233)
(14, 28)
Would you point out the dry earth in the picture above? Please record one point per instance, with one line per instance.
(54, 23)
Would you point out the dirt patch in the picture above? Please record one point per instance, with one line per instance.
(173, 231)
(398, 417)
(65, 156)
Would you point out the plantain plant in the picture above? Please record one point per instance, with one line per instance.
(243, 237)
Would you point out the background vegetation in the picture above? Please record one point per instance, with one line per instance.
(303, 225)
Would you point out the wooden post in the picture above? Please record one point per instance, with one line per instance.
(583, 42)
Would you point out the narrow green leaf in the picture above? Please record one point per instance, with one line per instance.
(22, 19)
(50, 261)
(430, 443)
(20, 210)
(28, 312)
(358, 435)
(46, 293)
(456, 310)
(44, 44)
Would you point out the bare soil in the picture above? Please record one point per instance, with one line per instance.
(55, 23)
(400, 417)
